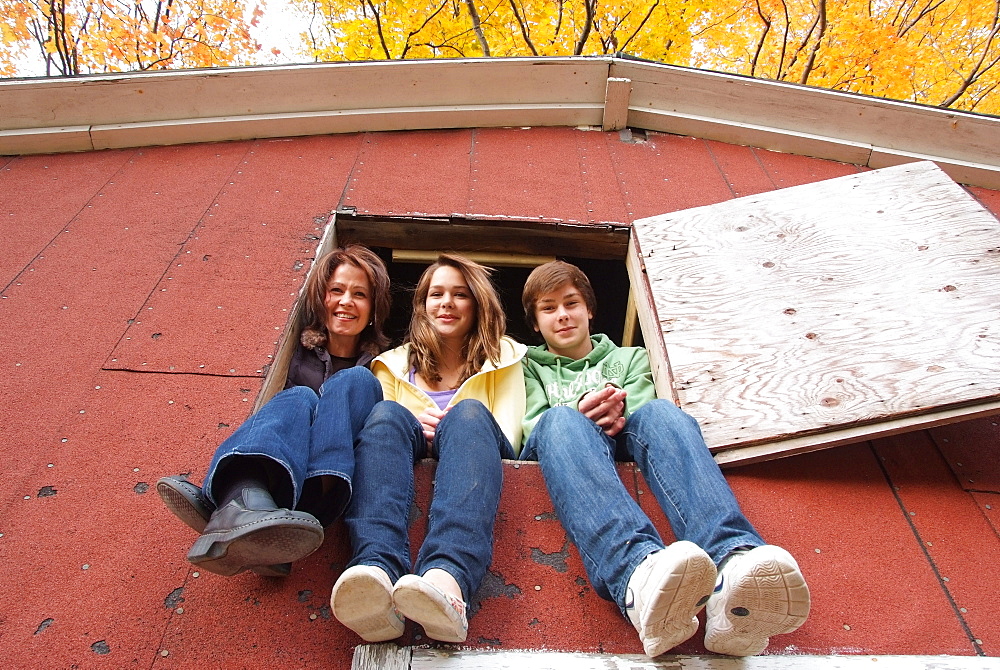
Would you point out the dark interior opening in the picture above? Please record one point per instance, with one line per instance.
(608, 277)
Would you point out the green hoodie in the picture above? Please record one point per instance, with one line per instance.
(551, 380)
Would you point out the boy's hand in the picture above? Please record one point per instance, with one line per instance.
(429, 419)
(606, 408)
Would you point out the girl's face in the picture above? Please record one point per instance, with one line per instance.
(450, 305)
(348, 304)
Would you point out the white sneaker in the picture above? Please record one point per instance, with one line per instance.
(665, 594)
(362, 601)
(759, 593)
(441, 614)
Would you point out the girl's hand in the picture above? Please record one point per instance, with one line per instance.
(429, 419)
(606, 408)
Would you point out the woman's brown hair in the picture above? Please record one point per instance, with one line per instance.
(314, 315)
(483, 341)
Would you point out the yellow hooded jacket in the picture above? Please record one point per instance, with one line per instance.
(500, 387)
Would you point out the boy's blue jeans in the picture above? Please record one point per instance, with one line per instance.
(607, 526)
(308, 436)
(468, 445)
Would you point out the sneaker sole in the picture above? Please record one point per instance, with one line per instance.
(769, 598)
(671, 616)
(269, 543)
(422, 603)
(363, 602)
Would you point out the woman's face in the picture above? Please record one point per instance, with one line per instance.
(450, 305)
(348, 304)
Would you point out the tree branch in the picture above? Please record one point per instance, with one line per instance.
(811, 63)
(423, 25)
(639, 27)
(760, 43)
(378, 27)
(980, 68)
(524, 28)
(589, 5)
(478, 27)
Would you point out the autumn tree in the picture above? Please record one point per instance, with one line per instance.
(391, 29)
(84, 36)
(938, 52)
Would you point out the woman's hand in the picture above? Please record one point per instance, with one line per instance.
(606, 408)
(429, 419)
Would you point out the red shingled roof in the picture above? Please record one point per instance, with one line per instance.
(144, 291)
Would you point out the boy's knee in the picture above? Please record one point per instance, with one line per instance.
(665, 413)
(560, 415)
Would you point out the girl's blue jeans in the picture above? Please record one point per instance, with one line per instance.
(468, 445)
(607, 526)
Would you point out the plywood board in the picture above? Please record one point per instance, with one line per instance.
(801, 315)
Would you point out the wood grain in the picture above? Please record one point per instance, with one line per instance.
(853, 301)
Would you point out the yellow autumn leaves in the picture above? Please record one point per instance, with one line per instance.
(938, 52)
(390, 29)
(85, 36)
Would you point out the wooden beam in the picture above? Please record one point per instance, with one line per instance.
(649, 322)
(495, 659)
(814, 112)
(105, 100)
(616, 101)
(169, 107)
(728, 458)
(274, 380)
(388, 656)
(228, 128)
(489, 259)
(631, 327)
(747, 134)
(468, 235)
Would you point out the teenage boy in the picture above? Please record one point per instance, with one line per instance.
(590, 403)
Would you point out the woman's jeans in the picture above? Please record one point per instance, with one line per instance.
(468, 445)
(308, 436)
(607, 526)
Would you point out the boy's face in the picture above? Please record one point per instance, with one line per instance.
(564, 321)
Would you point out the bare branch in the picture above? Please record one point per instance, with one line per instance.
(927, 10)
(478, 27)
(524, 28)
(811, 63)
(784, 40)
(423, 25)
(378, 27)
(589, 23)
(981, 66)
(763, 38)
(640, 26)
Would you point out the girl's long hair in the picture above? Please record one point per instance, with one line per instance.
(483, 341)
(314, 314)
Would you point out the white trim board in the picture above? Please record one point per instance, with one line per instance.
(173, 107)
(392, 657)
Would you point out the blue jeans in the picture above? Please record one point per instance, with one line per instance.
(607, 526)
(468, 445)
(308, 436)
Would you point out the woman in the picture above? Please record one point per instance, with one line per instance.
(454, 391)
(285, 474)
